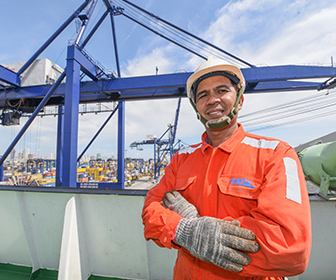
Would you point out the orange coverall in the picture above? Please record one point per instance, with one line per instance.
(255, 180)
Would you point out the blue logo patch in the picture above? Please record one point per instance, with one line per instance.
(241, 182)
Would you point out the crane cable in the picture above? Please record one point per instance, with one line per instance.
(176, 35)
(278, 118)
(289, 109)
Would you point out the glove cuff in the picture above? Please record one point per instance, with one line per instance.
(183, 231)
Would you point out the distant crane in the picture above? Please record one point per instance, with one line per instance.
(163, 147)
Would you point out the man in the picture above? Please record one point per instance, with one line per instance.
(236, 205)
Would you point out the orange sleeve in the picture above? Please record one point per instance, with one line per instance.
(281, 220)
(160, 224)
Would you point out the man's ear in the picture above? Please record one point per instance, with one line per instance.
(240, 103)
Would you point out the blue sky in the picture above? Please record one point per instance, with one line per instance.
(261, 32)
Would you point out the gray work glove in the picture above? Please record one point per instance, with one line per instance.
(217, 241)
(176, 202)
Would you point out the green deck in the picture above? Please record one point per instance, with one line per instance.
(16, 272)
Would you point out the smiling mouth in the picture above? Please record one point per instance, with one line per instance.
(215, 114)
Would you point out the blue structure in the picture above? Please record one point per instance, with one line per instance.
(163, 146)
(106, 87)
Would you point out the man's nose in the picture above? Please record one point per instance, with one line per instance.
(213, 98)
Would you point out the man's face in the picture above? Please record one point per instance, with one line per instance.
(215, 97)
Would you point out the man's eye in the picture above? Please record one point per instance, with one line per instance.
(201, 95)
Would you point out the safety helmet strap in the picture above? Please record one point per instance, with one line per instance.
(221, 122)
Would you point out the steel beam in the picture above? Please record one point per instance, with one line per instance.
(10, 77)
(114, 39)
(85, 20)
(279, 86)
(94, 29)
(258, 79)
(70, 128)
(173, 131)
(92, 92)
(121, 145)
(287, 72)
(59, 146)
(155, 157)
(85, 64)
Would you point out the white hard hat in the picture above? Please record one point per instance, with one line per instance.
(213, 65)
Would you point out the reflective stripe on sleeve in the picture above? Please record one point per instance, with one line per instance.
(293, 191)
(261, 143)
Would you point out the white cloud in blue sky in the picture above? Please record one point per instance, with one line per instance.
(259, 31)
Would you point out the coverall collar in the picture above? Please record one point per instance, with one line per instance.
(229, 145)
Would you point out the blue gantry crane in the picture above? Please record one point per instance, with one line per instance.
(164, 146)
(102, 86)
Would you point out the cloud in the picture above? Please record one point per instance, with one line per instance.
(146, 64)
(312, 40)
(268, 32)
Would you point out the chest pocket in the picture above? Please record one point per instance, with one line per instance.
(239, 187)
(182, 183)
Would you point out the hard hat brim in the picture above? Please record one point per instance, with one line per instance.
(222, 67)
